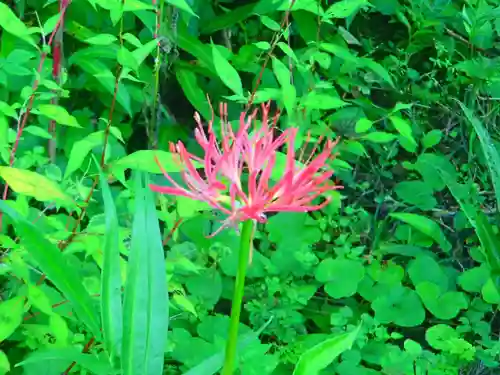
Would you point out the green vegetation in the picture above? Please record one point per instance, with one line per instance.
(398, 275)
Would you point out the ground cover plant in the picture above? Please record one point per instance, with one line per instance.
(249, 187)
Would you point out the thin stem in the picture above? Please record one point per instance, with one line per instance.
(239, 289)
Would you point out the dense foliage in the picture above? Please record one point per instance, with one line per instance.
(398, 275)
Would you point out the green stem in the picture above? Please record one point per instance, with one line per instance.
(239, 289)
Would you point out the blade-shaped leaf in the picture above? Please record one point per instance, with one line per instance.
(88, 361)
(145, 316)
(489, 150)
(111, 285)
(158, 291)
(426, 226)
(321, 355)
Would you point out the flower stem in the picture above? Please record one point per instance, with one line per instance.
(239, 289)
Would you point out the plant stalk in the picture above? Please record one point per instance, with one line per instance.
(246, 240)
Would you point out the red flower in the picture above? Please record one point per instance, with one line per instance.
(254, 155)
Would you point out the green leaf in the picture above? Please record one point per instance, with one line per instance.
(58, 114)
(194, 47)
(345, 8)
(141, 53)
(58, 270)
(182, 5)
(322, 101)
(127, 59)
(11, 316)
(145, 314)
(321, 355)
(432, 138)
(184, 304)
(444, 337)
(478, 220)
(111, 283)
(416, 193)
(226, 72)
(4, 363)
(363, 125)
(282, 72)
(378, 70)
(38, 132)
(270, 23)
(438, 334)
(426, 226)
(400, 305)
(213, 364)
(288, 91)
(341, 276)
(102, 39)
(489, 150)
(288, 51)
(104, 76)
(34, 185)
(89, 362)
(13, 25)
(228, 19)
(442, 305)
(136, 5)
(80, 150)
(379, 137)
(403, 128)
(144, 160)
(490, 292)
(262, 45)
(190, 87)
(490, 244)
(39, 299)
(425, 268)
(340, 52)
(472, 280)
(7, 110)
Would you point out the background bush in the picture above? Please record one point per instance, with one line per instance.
(409, 247)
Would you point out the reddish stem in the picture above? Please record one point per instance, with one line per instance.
(30, 104)
(268, 56)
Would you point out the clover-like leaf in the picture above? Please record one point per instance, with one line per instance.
(400, 306)
(425, 268)
(341, 276)
(442, 305)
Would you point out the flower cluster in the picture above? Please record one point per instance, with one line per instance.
(237, 170)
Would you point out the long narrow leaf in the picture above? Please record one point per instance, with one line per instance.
(489, 150)
(111, 285)
(87, 361)
(323, 354)
(145, 315)
(60, 272)
(158, 291)
(135, 314)
(490, 243)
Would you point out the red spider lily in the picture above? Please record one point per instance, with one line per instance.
(253, 153)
